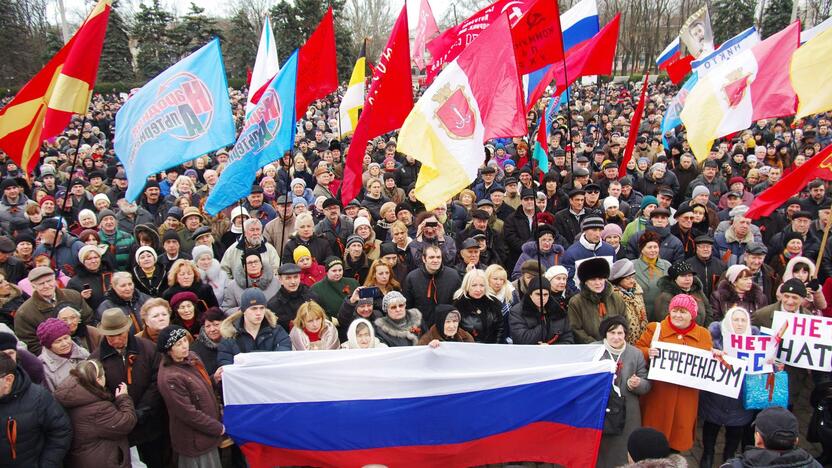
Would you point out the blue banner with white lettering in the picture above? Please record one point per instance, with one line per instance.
(180, 115)
(269, 132)
(672, 118)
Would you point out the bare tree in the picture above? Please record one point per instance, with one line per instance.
(372, 19)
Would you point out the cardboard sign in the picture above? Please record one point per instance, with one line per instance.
(750, 348)
(696, 368)
(806, 342)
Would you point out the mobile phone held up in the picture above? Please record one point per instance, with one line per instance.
(369, 293)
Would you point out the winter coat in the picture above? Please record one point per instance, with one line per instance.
(195, 427)
(726, 297)
(131, 307)
(754, 457)
(217, 278)
(66, 253)
(447, 245)
(13, 270)
(668, 288)
(35, 310)
(235, 287)
(547, 259)
(206, 349)
(56, 368)
(203, 291)
(731, 249)
(138, 370)
(328, 338)
(317, 245)
(98, 281)
(719, 409)
(613, 450)
(580, 250)
(400, 334)
(234, 256)
(649, 281)
(635, 313)
(669, 408)
(461, 336)
(482, 318)
(275, 233)
(330, 295)
(120, 242)
(568, 225)
(285, 304)
(236, 340)
(44, 432)
(517, 231)
(152, 285)
(9, 305)
(670, 247)
(708, 272)
(425, 291)
(334, 239)
(530, 325)
(100, 425)
(587, 309)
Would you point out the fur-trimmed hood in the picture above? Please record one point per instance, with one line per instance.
(233, 324)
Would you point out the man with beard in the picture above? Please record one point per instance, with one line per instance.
(251, 243)
(131, 215)
(154, 203)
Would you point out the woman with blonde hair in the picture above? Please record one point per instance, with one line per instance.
(500, 288)
(185, 276)
(183, 186)
(480, 314)
(312, 330)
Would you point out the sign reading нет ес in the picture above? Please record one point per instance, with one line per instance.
(696, 368)
(753, 349)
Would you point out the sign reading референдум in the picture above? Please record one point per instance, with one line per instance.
(807, 340)
(696, 368)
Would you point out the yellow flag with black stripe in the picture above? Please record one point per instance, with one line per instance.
(353, 99)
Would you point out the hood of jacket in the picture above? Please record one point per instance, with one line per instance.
(71, 394)
(233, 324)
(21, 384)
(772, 458)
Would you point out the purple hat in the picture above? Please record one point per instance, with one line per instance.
(50, 330)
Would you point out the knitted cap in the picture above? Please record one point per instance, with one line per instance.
(687, 302)
(200, 250)
(611, 230)
(647, 443)
(50, 330)
(144, 249)
(360, 221)
(252, 297)
(300, 252)
(390, 298)
(169, 336)
(733, 272)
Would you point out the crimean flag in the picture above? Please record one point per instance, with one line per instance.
(476, 97)
(44, 106)
(753, 85)
(391, 90)
(541, 146)
(635, 123)
(425, 28)
(353, 99)
(810, 75)
(266, 66)
(317, 65)
(412, 406)
(818, 167)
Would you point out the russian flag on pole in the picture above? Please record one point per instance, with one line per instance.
(456, 405)
(671, 53)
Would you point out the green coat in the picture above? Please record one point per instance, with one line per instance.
(650, 284)
(331, 295)
(585, 315)
(668, 289)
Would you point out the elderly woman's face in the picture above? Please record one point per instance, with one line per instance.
(616, 336)
(157, 318)
(680, 318)
(397, 310)
(739, 322)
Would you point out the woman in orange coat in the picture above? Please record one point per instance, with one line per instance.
(671, 408)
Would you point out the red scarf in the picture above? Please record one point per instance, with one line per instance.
(682, 331)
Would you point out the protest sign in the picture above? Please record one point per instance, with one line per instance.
(750, 348)
(696, 368)
(807, 341)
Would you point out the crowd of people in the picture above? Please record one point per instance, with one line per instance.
(118, 317)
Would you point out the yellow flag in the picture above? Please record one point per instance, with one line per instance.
(810, 75)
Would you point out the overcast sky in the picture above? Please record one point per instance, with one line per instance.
(78, 9)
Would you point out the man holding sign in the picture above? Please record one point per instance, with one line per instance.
(669, 407)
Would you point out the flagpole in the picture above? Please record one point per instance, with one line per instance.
(568, 108)
(242, 225)
(67, 195)
(285, 208)
(535, 227)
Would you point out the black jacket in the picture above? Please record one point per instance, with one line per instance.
(482, 318)
(568, 225)
(530, 326)
(99, 282)
(708, 272)
(203, 291)
(424, 291)
(285, 304)
(236, 340)
(14, 270)
(516, 231)
(797, 458)
(44, 432)
(317, 245)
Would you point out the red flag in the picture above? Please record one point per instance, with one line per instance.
(44, 106)
(448, 45)
(537, 37)
(677, 70)
(818, 167)
(594, 57)
(635, 123)
(317, 65)
(424, 29)
(390, 88)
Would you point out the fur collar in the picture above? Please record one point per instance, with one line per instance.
(413, 319)
(233, 324)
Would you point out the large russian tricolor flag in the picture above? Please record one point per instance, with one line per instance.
(578, 24)
(456, 405)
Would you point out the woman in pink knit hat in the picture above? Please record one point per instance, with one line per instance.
(670, 408)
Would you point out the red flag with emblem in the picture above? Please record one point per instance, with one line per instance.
(818, 167)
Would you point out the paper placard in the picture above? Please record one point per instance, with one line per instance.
(696, 368)
(806, 342)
